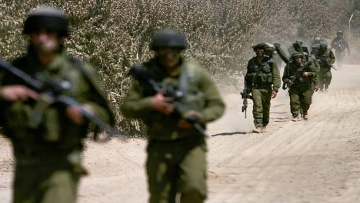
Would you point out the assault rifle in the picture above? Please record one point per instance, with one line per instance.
(142, 76)
(297, 77)
(323, 60)
(245, 95)
(339, 46)
(50, 92)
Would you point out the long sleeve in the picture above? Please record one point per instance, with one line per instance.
(215, 106)
(135, 105)
(276, 77)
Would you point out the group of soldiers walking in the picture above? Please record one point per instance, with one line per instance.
(305, 72)
(172, 95)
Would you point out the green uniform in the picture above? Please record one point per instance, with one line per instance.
(301, 90)
(48, 154)
(263, 78)
(325, 75)
(340, 44)
(176, 157)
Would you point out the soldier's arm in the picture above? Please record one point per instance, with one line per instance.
(334, 43)
(276, 77)
(95, 98)
(248, 77)
(134, 105)
(214, 105)
(285, 77)
(332, 57)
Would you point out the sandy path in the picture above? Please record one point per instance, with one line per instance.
(307, 161)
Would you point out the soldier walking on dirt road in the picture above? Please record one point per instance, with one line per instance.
(47, 137)
(339, 43)
(176, 161)
(263, 81)
(299, 77)
(326, 59)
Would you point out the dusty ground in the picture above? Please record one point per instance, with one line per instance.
(310, 161)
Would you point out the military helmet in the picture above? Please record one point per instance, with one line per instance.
(49, 18)
(299, 42)
(168, 38)
(323, 45)
(261, 45)
(296, 55)
(340, 32)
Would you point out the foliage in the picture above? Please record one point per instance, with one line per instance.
(113, 34)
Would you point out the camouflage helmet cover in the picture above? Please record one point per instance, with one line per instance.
(339, 33)
(49, 18)
(296, 55)
(168, 38)
(261, 45)
(323, 45)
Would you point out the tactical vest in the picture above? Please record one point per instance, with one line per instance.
(54, 130)
(260, 73)
(160, 125)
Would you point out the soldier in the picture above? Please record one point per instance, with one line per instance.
(316, 41)
(298, 76)
(339, 43)
(176, 162)
(263, 80)
(48, 154)
(325, 58)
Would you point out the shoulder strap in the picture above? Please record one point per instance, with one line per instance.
(99, 95)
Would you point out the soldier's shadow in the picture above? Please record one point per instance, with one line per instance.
(230, 134)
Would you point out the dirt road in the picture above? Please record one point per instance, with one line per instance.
(310, 161)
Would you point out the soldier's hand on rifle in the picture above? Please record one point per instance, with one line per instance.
(14, 93)
(189, 118)
(306, 74)
(248, 90)
(319, 61)
(162, 104)
(273, 94)
(316, 88)
(74, 114)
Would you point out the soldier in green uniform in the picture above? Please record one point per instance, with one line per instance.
(316, 41)
(263, 80)
(176, 162)
(48, 153)
(325, 58)
(340, 44)
(299, 77)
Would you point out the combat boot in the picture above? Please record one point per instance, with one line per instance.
(306, 116)
(295, 118)
(258, 130)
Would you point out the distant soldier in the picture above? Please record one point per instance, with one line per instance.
(263, 80)
(299, 77)
(326, 59)
(316, 41)
(339, 43)
(176, 161)
(48, 152)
